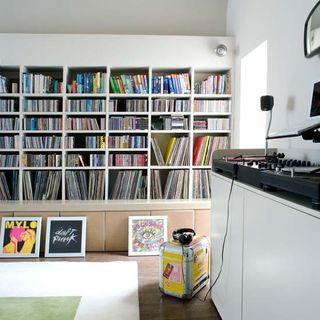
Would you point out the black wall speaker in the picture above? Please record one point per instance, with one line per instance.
(266, 103)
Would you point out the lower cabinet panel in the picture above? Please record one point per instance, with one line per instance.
(117, 229)
(95, 228)
(202, 222)
(177, 219)
(44, 216)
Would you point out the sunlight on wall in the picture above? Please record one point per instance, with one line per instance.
(253, 86)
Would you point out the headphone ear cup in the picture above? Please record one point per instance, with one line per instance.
(185, 238)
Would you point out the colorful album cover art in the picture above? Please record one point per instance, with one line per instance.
(147, 234)
(20, 236)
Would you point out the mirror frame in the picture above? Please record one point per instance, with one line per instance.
(316, 51)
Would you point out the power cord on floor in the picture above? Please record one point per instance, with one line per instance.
(223, 247)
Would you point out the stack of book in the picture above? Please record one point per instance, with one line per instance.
(128, 105)
(4, 84)
(170, 123)
(156, 189)
(39, 83)
(128, 141)
(41, 160)
(204, 146)
(129, 83)
(42, 123)
(53, 105)
(78, 188)
(172, 83)
(46, 185)
(89, 83)
(42, 142)
(128, 160)
(212, 105)
(201, 184)
(9, 105)
(86, 124)
(218, 124)
(9, 160)
(9, 142)
(171, 105)
(86, 105)
(214, 84)
(5, 193)
(128, 123)
(129, 185)
(177, 185)
(9, 124)
(200, 125)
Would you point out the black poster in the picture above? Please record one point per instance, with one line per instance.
(65, 236)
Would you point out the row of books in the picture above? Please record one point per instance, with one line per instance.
(77, 160)
(201, 184)
(171, 105)
(170, 123)
(129, 83)
(42, 123)
(176, 154)
(89, 83)
(9, 142)
(41, 185)
(42, 142)
(214, 84)
(86, 124)
(9, 185)
(129, 185)
(95, 142)
(211, 124)
(212, 105)
(41, 160)
(9, 124)
(172, 83)
(86, 105)
(9, 160)
(176, 185)
(35, 105)
(128, 105)
(128, 141)
(9, 105)
(128, 123)
(128, 160)
(39, 83)
(84, 185)
(204, 146)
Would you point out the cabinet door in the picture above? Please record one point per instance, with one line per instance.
(227, 292)
(44, 216)
(281, 279)
(117, 229)
(177, 219)
(95, 238)
(202, 224)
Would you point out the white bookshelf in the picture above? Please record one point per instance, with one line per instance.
(67, 74)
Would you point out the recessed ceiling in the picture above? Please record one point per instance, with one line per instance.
(160, 17)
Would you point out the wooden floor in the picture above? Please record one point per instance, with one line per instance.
(153, 304)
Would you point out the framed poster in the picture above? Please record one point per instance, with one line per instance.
(146, 234)
(20, 237)
(66, 237)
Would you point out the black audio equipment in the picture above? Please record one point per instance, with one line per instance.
(274, 173)
(266, 103)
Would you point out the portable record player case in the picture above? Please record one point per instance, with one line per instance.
(184, 269)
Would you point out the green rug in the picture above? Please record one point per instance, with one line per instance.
(39, 308)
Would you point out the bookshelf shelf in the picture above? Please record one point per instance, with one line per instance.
(93, 97)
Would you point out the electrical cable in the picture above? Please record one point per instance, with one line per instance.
(269, 125)
(223, 245)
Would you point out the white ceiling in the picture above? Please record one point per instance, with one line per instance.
(160, 17)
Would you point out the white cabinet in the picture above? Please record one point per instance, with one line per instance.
(271, 259)
(227, 291)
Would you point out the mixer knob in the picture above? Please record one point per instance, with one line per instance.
(303, 163)
(289, 163)
(298, 163)
(294, 163)
(284, 162)
(308, 164)
(250, 163)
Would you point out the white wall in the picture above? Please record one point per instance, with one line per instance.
(166, 17)
(290, 74)
(114, 50)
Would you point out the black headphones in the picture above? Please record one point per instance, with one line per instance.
(184, 235)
